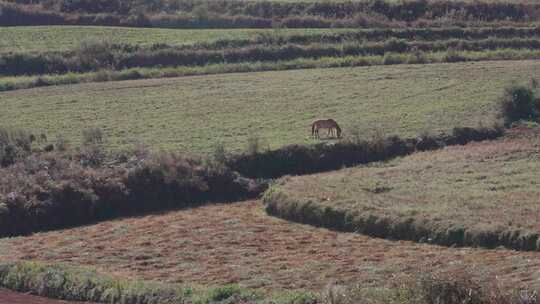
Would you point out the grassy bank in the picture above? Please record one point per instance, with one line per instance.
(102, 55)
(65, 282)
(39, 39)
(84, 284)
(26, 82)
(462, 195)
(63, 38)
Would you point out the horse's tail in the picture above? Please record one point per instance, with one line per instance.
(313, 129)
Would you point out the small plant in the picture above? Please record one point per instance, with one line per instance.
(518, 103)
(453, 55)
(225, 292)
(92, 136)
(14, 145)
(534, 83)
(61, 143)
(254, 145)
(220, 154)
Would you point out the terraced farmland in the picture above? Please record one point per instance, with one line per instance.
(64, 38)
(482, 194)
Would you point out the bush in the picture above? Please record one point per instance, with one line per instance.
(54, 190)
(92, 136)
(518, 103)
(61, 143)
(15, 144)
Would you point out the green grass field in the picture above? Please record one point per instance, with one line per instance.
(60, 38)
(193, 114)
(479, 194)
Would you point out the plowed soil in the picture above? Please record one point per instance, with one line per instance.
(239, 243)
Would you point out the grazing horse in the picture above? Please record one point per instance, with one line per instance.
(328, 124)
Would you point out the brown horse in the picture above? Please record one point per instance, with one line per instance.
(328, 124)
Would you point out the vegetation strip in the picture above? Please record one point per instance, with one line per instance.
(52, 190)
(69, 38)
(83, 284)
(263, 14)
(92, 57)
(300, 160)
(26, 82)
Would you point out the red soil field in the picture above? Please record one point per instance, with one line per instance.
(239, 243)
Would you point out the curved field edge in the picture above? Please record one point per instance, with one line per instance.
(240, 244)
(60, 281)
(298, 203)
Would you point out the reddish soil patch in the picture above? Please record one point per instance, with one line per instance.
(239, 243)
(9, 297)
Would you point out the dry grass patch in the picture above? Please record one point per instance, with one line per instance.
(482, 194)
(239, 243)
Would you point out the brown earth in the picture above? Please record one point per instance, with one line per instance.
(239, 243)
(10, 297)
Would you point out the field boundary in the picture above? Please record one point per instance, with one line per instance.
(304, 159)
(104, 75)
(63, 282)
(307, 211)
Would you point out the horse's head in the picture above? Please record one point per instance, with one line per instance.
(338, 129)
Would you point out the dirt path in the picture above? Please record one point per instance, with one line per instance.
(9, 297)
(239, 243)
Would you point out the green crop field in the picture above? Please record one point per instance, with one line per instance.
(479, 194)
(193, 114)
(59, 38)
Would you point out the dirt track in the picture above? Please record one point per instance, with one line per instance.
(9, 297)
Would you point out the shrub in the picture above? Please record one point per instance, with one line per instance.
(453, 55)
(518, 103)
(61, 143)
(92, 136)
(254, 145)
(15, 144)
(54, 190)
(534, 83)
